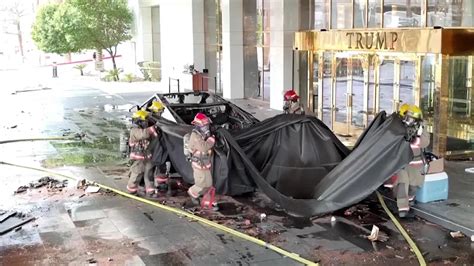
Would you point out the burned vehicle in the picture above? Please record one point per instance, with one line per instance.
(295, 160)
(182, 107)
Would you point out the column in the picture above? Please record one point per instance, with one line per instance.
(199, 56)
(441, 101)
(283, 25)
(232, 49)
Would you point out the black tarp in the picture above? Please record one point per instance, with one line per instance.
(298, 162)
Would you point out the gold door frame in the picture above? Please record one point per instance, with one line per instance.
(371, 65)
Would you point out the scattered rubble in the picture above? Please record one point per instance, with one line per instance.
(12, 220)
(456, 234)
(374, 234)
(50, 183)
(92, 189)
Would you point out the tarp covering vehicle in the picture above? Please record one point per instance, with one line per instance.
(296, 160)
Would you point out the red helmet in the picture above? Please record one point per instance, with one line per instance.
(291, 96)
(201, 120)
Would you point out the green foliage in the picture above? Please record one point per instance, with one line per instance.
(48, 30)
(151, 70)
(77, 25)
(113, 74)
(129, 77)
(80, 67)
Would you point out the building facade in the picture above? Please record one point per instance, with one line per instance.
(348, 59)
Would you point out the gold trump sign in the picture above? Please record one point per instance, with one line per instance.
(372, 40)
(454, 41)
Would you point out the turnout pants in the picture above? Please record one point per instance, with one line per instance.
(409, 180)
(141, 169)
(202, 182)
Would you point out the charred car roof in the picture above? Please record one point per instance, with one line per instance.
(182, 107)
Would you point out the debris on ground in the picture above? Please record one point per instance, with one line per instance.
(50, 183)
(13, 220)
(470, 170)
(6, 215)
(92, 189)
(81, 184)
(456, 234)
(374, 234)
(91, 261)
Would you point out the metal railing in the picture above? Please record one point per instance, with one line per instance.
(169, 84)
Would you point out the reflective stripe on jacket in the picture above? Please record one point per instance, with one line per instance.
(139, 141)
(201, 151)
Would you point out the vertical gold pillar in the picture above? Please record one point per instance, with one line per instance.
(320, 83)
(366, 66)
(376, 62)
(349, 90)
(424, 14)
(418, 81)
(310, 90)
(396, 84)
(440, 121)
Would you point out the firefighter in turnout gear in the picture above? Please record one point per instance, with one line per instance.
(291, 104)
(199, 150)
(142, 168)
(412, 177)
(159, 174)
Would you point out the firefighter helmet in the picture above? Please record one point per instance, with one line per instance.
(403, 109)
(141, 115)
(201, 120)
(415, 112)
(290, 96)
(156, 107)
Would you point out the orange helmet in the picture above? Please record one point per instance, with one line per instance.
(291, 96)
(201, 120)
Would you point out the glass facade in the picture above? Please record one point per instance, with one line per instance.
(347, 14)
(213, 44)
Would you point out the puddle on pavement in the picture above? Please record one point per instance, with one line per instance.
(170, 258)
(341, 231)
(230, 209)
(99, 151)
(297, 222)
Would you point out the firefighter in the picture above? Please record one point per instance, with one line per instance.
(141, 134)
(292, 105)
(412, 177)
(199, 150)
(156, 109)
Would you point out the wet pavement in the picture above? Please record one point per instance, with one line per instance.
(73, 227)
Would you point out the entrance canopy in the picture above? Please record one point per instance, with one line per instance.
(436, 40)
(348, 76)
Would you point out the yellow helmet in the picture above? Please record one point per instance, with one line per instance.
(403, 109)
(415, 112)
(140, 115)
(156, 107)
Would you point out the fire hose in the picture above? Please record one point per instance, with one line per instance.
(233, 232)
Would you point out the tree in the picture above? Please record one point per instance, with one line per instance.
(50, 30)
(84, 24)
(106, 23)
(11, 13)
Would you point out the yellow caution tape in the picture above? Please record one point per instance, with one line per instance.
(400, 228)
(233, 232)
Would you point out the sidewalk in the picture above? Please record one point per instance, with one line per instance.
(453, 214)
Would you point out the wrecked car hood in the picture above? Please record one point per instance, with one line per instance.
(297, 161)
